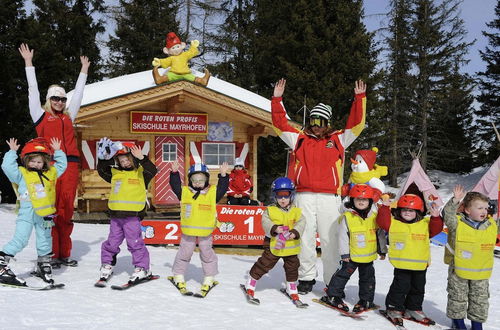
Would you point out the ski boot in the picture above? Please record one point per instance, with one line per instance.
(44, 269)
(139, 275)
(55, 263)
(305, 287)
(105, 272)
(7, 276)
(396, 316)
(250, 287)
(291, 289)
(418, 316)
(336, 302)
(363, 305)
(68, 262)
(208, 283)
(476, 325)
(458, 324)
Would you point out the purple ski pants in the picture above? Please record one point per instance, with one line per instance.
(130, 229)
(207, 255)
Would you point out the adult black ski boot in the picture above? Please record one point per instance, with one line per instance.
(305, 287)
(7, 276)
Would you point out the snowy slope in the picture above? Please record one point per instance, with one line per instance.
(158, 305)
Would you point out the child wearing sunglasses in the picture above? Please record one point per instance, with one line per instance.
(283, 225)
(55, 120)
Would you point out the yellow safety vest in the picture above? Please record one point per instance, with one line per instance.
(128, 191)
(362, 237)
(474, 251)
(284, 218)
(198, 216)
(409, 244)
(42, 193)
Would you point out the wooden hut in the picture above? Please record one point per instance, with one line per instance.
(178, 120)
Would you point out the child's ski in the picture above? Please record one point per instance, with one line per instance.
(398, 325)
(203, 294)
(35, 288)
(375, 307)
(183, 291)
(101, 283)
(297, 303)
(427, 321)
(129, 284)
(341, 311)
(250, 299)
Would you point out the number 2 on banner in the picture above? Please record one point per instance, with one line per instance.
(249, 222)
(173, 230)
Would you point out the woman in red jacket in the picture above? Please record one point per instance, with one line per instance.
(54, 119)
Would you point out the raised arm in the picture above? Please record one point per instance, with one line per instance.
(357, 115)
(287, 133)
(59, 156)
(36, 110)
(76, 99)
(9, 163)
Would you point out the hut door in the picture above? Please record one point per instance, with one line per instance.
(168, 149)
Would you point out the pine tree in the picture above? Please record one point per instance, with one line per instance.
(16, 121)
(60, 32)
(232, 43)
(438, 43)
(488, 146)
(395, 115)
(141, 27)
(450, 142)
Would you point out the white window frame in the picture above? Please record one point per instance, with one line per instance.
(163, 153)
(212, 166)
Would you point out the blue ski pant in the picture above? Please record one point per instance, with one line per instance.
(26, 220)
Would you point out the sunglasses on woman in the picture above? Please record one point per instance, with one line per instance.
(58, 99)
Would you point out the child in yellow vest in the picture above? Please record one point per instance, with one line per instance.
(129, 172)
(469, 252)
(283, 225)
(198, 220)
(36, 180)
(409, 253)
(359, 242)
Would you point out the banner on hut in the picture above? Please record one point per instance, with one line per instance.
(239, 225)
(166, 123)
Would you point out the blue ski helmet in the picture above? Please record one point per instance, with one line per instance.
(198, 168)
(283, 184)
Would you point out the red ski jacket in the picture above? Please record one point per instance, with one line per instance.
(319, 162)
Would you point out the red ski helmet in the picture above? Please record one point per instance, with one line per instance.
(361, 191)
(126, 148)
(410, 201)
(36, 145)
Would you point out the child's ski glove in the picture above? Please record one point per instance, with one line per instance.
(48, 221)
(106, 148)
(282, 237)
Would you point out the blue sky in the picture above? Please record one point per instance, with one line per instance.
(475, 13)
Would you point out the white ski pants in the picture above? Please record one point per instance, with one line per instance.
(321, 212)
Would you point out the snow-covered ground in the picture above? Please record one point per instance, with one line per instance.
(158, 305)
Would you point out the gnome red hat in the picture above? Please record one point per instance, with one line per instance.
(172, 39)
(370, 156)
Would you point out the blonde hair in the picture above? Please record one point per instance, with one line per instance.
(47, 107)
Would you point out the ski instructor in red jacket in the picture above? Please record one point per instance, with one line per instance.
(54, 119)
(319, 153)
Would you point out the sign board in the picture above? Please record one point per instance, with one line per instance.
(145, 122)
(239, 225)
